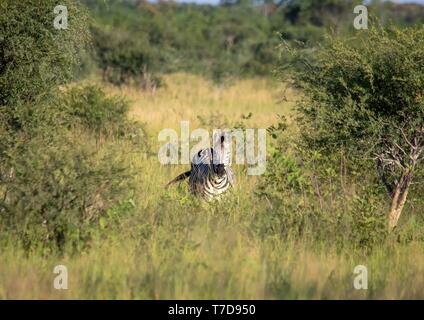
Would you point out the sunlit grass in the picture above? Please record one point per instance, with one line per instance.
(186, 97)
(171, 246)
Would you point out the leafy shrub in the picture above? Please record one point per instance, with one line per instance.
(90, 108)
(60, 185)
(105, 117)
(361, 128)
(319, 197)
(124, 57)
(368, 225)
(34, 56)
(58, 192)
(56, 181)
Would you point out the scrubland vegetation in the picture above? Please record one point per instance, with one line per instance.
(81, 184)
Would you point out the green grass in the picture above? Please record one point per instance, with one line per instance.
(194, 254)
(167, 245)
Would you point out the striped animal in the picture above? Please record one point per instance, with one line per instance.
(210, 175)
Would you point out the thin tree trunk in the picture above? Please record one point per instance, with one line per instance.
(404, 158)
(399, 199)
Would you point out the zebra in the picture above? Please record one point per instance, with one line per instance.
(210, 175)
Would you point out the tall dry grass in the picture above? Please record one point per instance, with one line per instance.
(171, 246)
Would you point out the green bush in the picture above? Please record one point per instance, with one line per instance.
(62, 184)
(306, 202)
(89, 108)
(34, 56)
(58, 184)
(317, 196)
(364, 96)
(124, 58)
(57, 193)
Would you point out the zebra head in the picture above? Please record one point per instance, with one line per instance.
(220, 156)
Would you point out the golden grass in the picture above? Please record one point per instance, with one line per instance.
(186, 97)
(172, 247)
(213, 269)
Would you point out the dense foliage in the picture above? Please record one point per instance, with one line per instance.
(139, 40)
(361, 131)
(58, 172)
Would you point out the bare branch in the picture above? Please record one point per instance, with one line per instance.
(383, 178)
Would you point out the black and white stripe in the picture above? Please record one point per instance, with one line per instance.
(210, 175)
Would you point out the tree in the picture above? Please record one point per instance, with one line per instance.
(365, 96)
(56, 182)
(35, 57)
